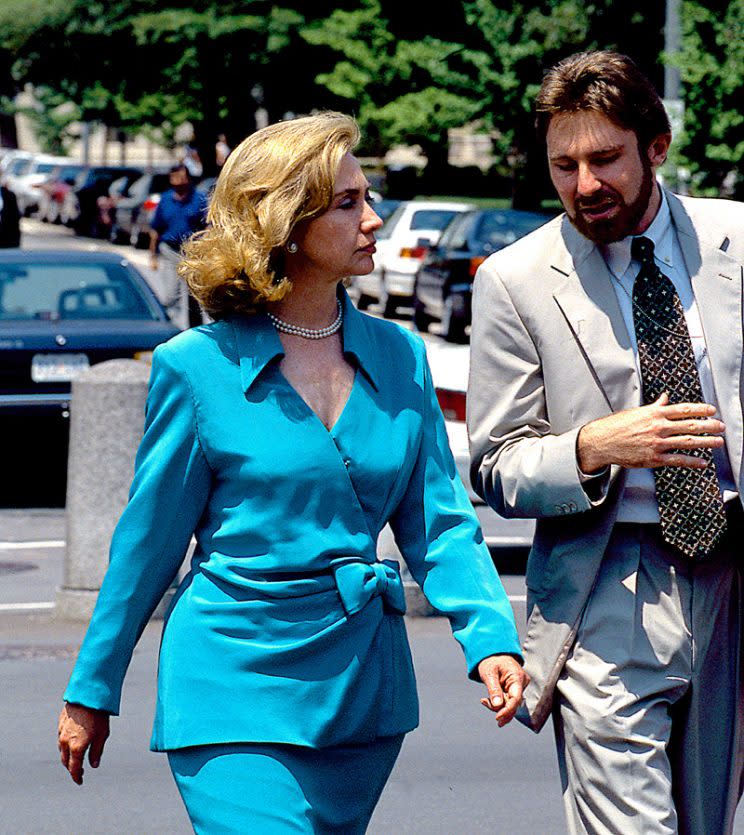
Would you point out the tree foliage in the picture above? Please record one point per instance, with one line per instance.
(407, 74)
(712, 72)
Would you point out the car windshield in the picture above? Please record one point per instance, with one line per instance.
(499, 229)
(69, 291)
(432, 219)
(19, 166)
(455, 236)
(45, 167)
(68, 172)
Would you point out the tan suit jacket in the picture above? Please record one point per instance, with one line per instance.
(550, 352)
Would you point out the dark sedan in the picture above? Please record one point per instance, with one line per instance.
(61, 312)
(443, 284)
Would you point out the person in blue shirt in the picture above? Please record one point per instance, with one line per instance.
(284, 436)
(180, 213)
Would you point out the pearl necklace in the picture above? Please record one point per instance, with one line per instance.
(309, 333)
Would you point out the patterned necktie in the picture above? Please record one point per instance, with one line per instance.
(690, 504)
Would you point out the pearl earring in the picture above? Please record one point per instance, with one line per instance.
(292, 247)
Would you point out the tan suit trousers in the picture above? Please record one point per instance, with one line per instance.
(649, 709)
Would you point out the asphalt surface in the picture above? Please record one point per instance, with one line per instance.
(458, 773)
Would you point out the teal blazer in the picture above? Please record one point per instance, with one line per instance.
(286, 629)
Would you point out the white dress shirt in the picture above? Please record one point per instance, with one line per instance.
(638, 503)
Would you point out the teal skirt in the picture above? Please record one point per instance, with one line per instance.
(283, 789)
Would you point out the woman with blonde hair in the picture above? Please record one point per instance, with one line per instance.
(283, 436)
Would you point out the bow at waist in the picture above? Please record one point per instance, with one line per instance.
(358, 582)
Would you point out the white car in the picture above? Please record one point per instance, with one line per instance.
(450, 365)
(26, 182)
(9, 155)
(402, 244)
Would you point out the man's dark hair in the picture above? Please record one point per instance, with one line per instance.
(179, 166)
(607, 83)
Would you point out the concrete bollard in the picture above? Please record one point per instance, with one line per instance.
(106, 423)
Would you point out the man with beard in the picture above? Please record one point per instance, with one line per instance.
(605, 400)
(181, 211)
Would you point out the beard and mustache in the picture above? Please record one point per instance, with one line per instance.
(624, 221)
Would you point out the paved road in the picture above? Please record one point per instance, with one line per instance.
(458, 772)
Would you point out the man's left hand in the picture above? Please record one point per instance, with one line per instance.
(505, 679)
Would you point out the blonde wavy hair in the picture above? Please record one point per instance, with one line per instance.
(276, 178)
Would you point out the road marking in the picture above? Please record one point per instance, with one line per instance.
(517, 598)
(30, 546)
(26, 607)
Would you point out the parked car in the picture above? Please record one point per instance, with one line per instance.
(7, 155)
(62, 311)
(444, 280)
(508, 539)
(26, 184)
(53, 190)
(402, 243)
(132, 216)
(14, 164)
(80, 207)
(131, 209)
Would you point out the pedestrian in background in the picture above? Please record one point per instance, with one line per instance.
(192, 161)
(605, 400)
(180, 213)
(284, 436)
(10, 219)
(221, 151)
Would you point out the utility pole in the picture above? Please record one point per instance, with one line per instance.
(672, 40)
(673, 102)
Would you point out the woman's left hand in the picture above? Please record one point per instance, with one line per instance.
(505, 679)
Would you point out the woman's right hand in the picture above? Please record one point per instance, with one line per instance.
(81, 728)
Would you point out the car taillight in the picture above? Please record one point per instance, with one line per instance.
(151, 203)
(452, 404)
(474, 264)
(414, 252)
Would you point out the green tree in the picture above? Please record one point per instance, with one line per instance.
(476, 61)
(135, 63)
(401, 89)
(712, 71)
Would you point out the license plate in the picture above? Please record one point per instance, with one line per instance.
(58, 368)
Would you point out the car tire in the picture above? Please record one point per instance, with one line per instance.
(421, 318)
(388, 303)
(389, 306)
(453, 323)
(363, 301)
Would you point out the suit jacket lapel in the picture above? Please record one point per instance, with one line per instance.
(717, 284)
(588, 302)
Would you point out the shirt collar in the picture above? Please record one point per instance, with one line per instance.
(258, 343)
(617, 254)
